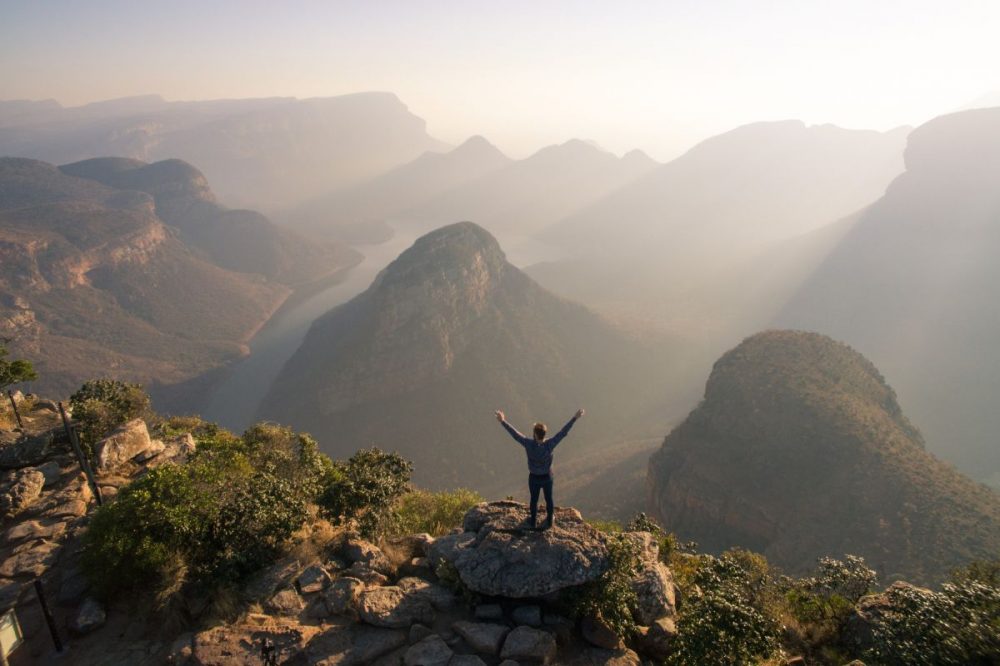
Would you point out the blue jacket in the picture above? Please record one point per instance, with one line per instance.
(539, 453)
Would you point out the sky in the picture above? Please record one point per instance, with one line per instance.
(657, 75)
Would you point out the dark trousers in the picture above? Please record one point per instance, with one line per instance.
(536, 484)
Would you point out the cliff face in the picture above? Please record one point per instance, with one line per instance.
(92, 282)
(448, 333)
(800, 449)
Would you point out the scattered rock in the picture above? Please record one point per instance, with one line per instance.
(394, 608)
(654, 587)
(90, 616)
(527, 615)
(26, 451)
(342, 593)
(489, 612)
(419, 632)
(124, 443)
(597, 632)
(364, 573)
(440, 597)
(286, 602)
(51, 471)
(156, 447)
(361, 551)
(431, 651)
(657, 639)
(501, 558)
(313, 579)
(482, 637)
(352, 645)
(20, 491)
(526, 643)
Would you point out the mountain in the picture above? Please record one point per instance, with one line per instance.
(360, 211)
(913, 287)
(240, 240)
(529, 194)
(688, 222)
(93, 282)
(800, 449)
(446, 334)
(266, 154)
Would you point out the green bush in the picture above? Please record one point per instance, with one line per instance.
(101, 405)
(433, 512)
(611, 597)
(365, 489)
(16, 371)
(731, 620)
(960, 625)
(221, 516)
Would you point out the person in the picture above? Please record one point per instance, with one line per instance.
(539, 450)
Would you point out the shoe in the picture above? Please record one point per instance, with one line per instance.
(547, 525)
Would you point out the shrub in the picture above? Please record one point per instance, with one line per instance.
(730, 621)
(365, 490)
(221, 516)
(101, 405)
(434, 513)
(611, 597)
(16, 371)
(986, 572)
(850, 578)
(958, 626)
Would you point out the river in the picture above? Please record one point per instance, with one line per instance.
(234, 402)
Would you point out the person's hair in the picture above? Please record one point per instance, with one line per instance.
(540, 431)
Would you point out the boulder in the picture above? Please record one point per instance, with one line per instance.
(526, 643)
(361, 551)
(313, 579)
(26, 451)
(268, 581)
(597, 632)
(431, 651)
(364, 573)
(342, 593)
(21, 489)
(351, 645)
(241, 643)
(51, 471)
(419, 632)
(482, 637)
(394, 608)
(156, 447)
(286, 602)
(32, 562)
(446, 548)
(654, 587)
(88, 617)
(440, 597)
(527, 615)
(124, 443)
(499, 557)
(489, 612)
(466, 660)
(657, 639)
(593, 656)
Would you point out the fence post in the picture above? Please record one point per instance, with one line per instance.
(48, 616)
(84, 463)
(17, 414)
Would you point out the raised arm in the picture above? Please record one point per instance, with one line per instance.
(553, 441)
(518, 437)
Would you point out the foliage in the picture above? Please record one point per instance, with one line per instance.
(611, 597)
(365, 489)
(850, 578)
(101, 405)
(16, 371)
(731, 621)
(433, 512)
(670, 546)
(221, 516)
(986, 572)
(960, 625)
(448, 576)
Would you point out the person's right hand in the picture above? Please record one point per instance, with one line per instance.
(580, 412)
(500, 416)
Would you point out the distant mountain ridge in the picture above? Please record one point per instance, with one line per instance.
(266, 154)
(912, 286)
(239, 240)
(446, 334)
(800, 449)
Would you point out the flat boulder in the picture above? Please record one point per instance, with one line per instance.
(431, 651)
(352, 645)
(498, 556)
(123, 444)
(394, 608)
(483, 637)
(527, 644)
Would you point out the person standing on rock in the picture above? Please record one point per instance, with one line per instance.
(539, 450)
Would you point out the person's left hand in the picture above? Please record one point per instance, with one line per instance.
(580, 413)
(500, 415)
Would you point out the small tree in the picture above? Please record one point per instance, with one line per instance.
(16, 371)
(365, 489)
(101, 405)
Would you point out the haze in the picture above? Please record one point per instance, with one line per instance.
(659, 76)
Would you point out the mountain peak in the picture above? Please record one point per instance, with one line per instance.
(450, 252)
(478, 145)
